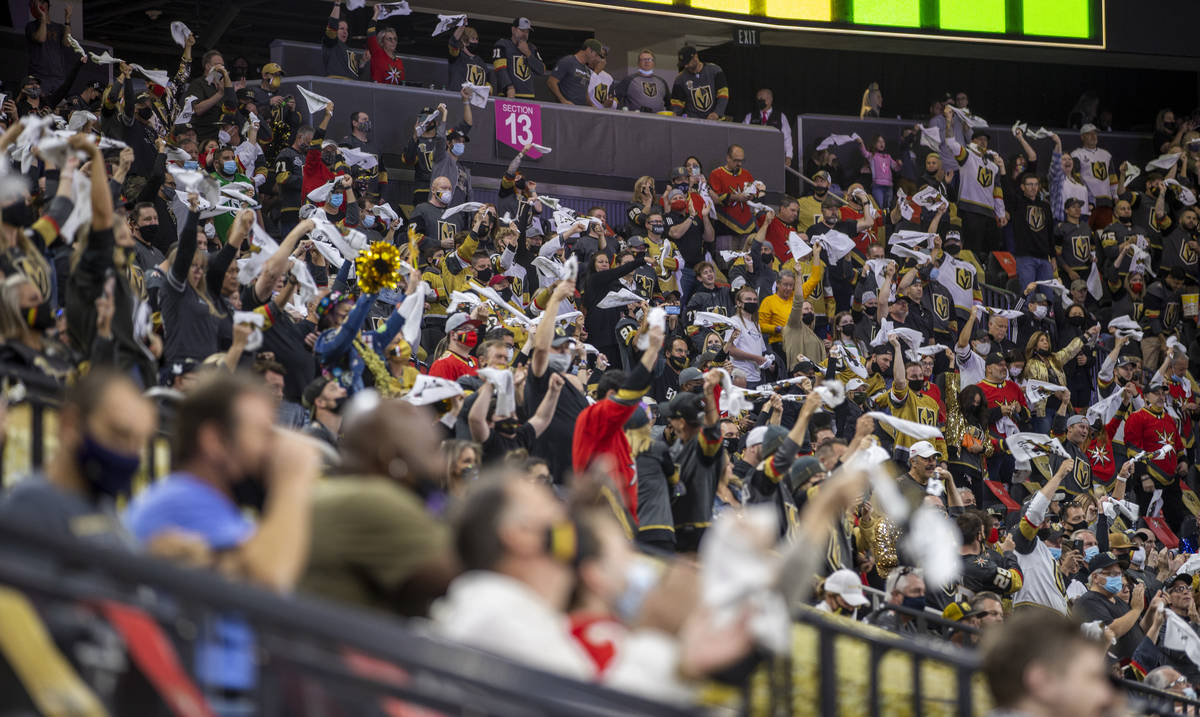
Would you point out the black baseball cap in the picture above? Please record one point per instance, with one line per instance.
(994, 357)
(1073, 201)
(686, 53)
(313, 390)
(1102, 561)
(685, 405)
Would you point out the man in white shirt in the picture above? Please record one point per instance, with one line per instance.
(1096, 169)
(766, 115)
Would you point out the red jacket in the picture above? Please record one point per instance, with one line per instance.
(1146, 430)
(600, 430)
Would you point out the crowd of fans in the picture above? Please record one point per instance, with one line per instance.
(203, 258)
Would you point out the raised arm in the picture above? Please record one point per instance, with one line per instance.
(278, 263)
(102, 203)
(544, 333)
(477, 417)
(545, 410)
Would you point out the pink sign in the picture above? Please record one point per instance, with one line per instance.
(518, 124)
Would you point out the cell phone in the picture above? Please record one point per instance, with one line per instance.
(671, 310)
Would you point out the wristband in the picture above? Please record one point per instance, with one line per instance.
(1121, 479)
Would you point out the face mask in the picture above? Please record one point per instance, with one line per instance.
(677, 363)
(731, 445)
(914, 603)
(40, 317)
(983, 348)
(473, 47)
(847, 329)
(952, 249)
(760, 104)
(168, 193)
(933, 274)
(328, 158)
(1113, 584)
(1125, 220)
(33, 91)
(364, 126)
(368, 220)
(223, 137)
(869, 311)
(149, 233)
(484, 276)
(656, 227)
(819, 192)
(444, 196)
(508, 426)
(145, 112)
(1077, 320)
(229, 167)
(1039, 311)
(916, 385)
(469, 339)
(1136, 286)
(335, 200)
(191, 164)
(1055, 553)
(457, 149)
(559, 362)
(858, 397)
(750, 307)
(1089, 553)
(1138, 557)
(1014, 371)
(809, 319)
(106, 471)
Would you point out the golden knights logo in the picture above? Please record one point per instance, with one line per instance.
(521, 68)
(650, 89)
(1100, 170)
(1187, 253)
(985, 177)
(645, 285)
(1035, 218)
(964, 277)
(1083, 474)
(941, 306)
(36, 272)
(426, 158)
(476, 75)
(1081, 247)
(515, 283)
(702, 97)
(446, 231)
(1138, 309)
(1170, 313)
(600, 94)
(926, 416)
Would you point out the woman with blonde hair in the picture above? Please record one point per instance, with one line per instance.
(657, 477)
(27, 352)
(1042, 363)
(462, 464)
(872, 101)
(643, 199)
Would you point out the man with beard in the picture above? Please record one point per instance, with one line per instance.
(361, 138)
(841, 274)
(879, 369)
(1180, 245)
(1162, 315)
(1123, 230)
(325, 397)
(288, 177)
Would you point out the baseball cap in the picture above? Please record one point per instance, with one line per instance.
(846, 584)
(245, 94)
(459, 320)
(636, 242)
(1155, 388)
(638, 419)
(691, 373)
(522, 23)
(1119, 541)
(497, 279)
(755, 436)
(1145, 534)
(959, 610)
(923, 449)
(822, 175)
(772, 439)
(1179, 578)
(313, 390)
(1089, 127)
(855, 383)
(679, 172)
(562, 336)
(457, 134)
(1077, 418)
(686, 53)
(328, 143)
(802, 471)
(1127, 360)
(594, 45)
(953, 235)
(1102, 561)
(272, 68)
(978, 133)
(687, 406)
(97, 85)
(1038, 297)
(1078, 284)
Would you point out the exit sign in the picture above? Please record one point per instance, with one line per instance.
(746, 36)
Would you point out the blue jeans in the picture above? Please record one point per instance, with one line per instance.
(883, 196)
(687, 280)
(1030, 269)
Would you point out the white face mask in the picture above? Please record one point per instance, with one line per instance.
(223, 137)
(1040, 311)
(983, 348)
(645, 73)
(1138, 557)
(444, 196)
(1014, 371)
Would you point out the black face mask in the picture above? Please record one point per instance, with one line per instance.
(1077, 526)
(1077, 320)
(760, 104)
(508, 426)
(484, 276)
(328, 158)
(677, 363)
(473, 47)
(869, 311)
(809, 319)
(731, 445)
(40, 317)
(750, 307)
(250, 492)
(145, 112)
(847, 329)
(149, 233)
(819, 192)
(1125, 220)
(952, 249)
(916, 385)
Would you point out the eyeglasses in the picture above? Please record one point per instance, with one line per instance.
(1179, 589)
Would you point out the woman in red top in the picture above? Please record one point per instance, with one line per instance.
(386, 66)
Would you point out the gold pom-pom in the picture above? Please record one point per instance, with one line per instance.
(378, 266)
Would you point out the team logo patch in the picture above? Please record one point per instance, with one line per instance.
(1187, 253)
(1035, 218)
(985, 177)
(446, 231)
(650, 89)
(964, 277)
(1082, 246)
(702, 98)
(521, 68)
(476, 75)
(601, 94)
(941, 306)
(1100, 170)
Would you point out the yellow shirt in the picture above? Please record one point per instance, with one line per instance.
(916, 407)
(810, 212)
(773, 313)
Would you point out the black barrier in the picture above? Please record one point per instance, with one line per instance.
(592, 148)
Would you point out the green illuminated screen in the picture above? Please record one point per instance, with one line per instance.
(1073, 22)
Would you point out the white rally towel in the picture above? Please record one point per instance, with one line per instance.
(797, 246)
(919, 256)
(656, 318)
(355, 4)
(911, 239)
(493, 296)
(934, 542)
(158, 77)
(1186, 196)
(1055, 285)
(461, 298)
(308, 287)
(428, 389)
(710, 318)
(832, 393)
(321, 194)
(1180, 637)
(540, 148)
(186, 112)
(104, 58)
(502, 380)
(1163, 162)
(837, 139)
(188, 181)
(555, 271)
(255, 319)
(1106, 408)
(471, 207)
(316, 103)
(930, 198)
(617, 299)
(837, 244)
(733, 399)
(412, 309)
(1026, 446)
(1036, 390)
(358, 158)
(730, 256)
(479, 95)
(972, 121)
(445, 22)
(388, 9)
(76, 46)
(1095, 286)
(1131, 173)
(908, 428)
(931, 137)
(250, 267)
(180, 33)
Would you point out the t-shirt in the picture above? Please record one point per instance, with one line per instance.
(644, 93)
(497, 445)
(1031, 222)
(38, 502)
(555, 442)
(1093, 606)
(599, 89)
(369, 536)
(691, 243)
(49, 61)
(573, 77)
(225, 656)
